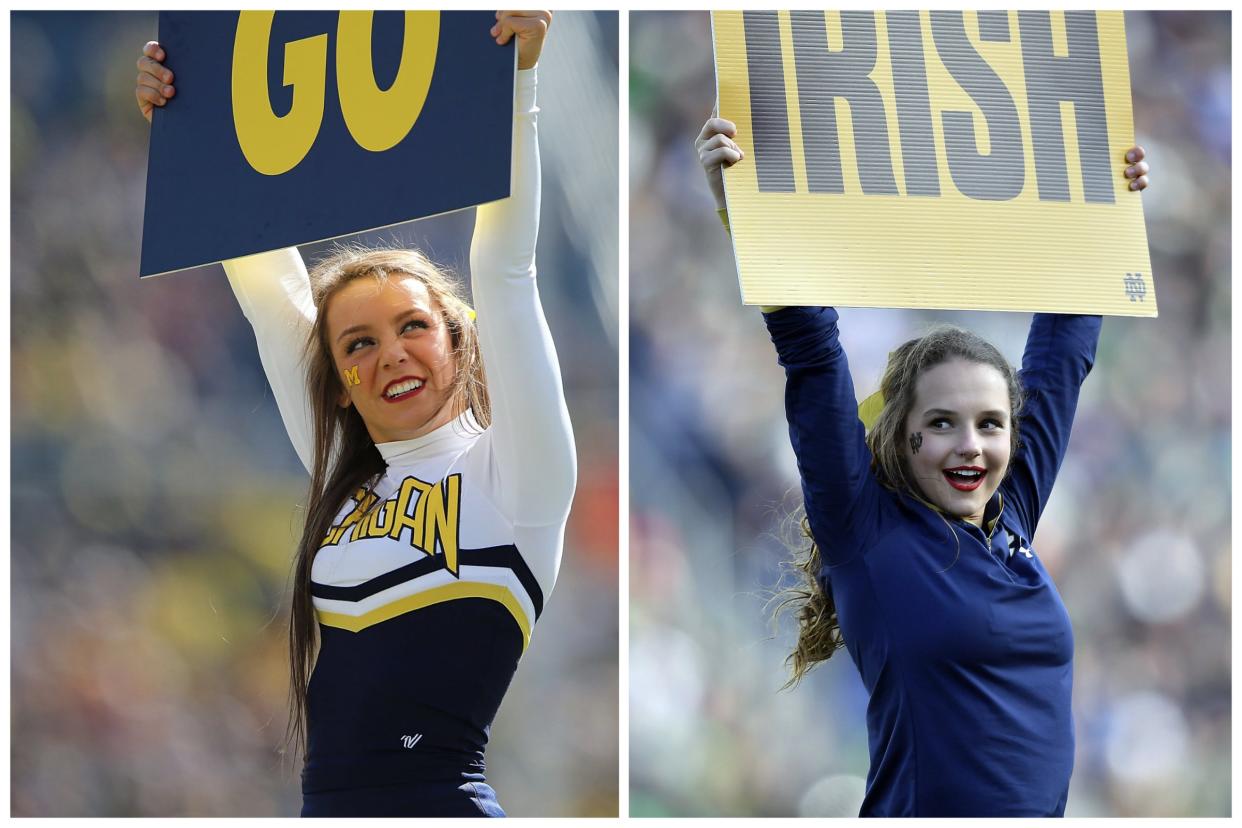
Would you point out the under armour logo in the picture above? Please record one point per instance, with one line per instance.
(411, 741)
(1016, 545)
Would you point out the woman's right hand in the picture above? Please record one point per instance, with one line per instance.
(154, 81)
(717, 150)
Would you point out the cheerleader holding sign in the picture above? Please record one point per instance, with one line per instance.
(920, 561)
(442, 468)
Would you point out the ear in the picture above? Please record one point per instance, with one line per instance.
(344, 400)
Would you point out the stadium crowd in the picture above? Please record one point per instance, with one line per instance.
(155, 495)
(1137, 534)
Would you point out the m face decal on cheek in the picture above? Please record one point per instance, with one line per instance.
(351, 377)
(916, 441)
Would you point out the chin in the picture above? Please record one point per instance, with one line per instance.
(958, 508)
(968, 511)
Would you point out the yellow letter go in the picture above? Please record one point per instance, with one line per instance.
(274, 144)
(378, 119)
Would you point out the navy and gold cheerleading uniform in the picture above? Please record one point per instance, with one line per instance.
(958, 631)
(426, 591)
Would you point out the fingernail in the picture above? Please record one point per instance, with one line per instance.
(1130, 156)
(168, 91)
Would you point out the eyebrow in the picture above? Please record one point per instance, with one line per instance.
(944, 412)
(366, 327)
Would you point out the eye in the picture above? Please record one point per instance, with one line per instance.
(355, 344)
(991, 424)
(940, 423)
(414, 324)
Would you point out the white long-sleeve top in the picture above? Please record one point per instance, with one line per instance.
(471, 519)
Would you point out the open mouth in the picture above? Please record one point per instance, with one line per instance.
(402, 389)
(965, 478)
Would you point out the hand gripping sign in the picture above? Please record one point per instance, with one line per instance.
(933, 160)
(294, 127)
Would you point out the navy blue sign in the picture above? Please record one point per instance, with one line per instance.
(294, 127)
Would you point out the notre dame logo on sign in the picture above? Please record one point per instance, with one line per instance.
(932, 159)
(293, 127)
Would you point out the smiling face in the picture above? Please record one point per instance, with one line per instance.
(958, 436)
(393, 353)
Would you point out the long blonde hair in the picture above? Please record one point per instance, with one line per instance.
(819, 631)
(345, 456)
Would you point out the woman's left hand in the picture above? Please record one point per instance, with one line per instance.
(1137, 171)
(529, 27)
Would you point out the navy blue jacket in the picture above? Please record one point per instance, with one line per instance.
(958, 632)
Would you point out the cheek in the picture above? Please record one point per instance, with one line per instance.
(919, 448)
(444, 359)
(450, 371)
(1006, 454)
(352, 371)
(918, 443)
(911, 442)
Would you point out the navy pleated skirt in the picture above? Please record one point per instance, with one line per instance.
(467, 799)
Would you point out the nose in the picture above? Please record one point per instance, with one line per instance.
(969, 446)
(393, 353)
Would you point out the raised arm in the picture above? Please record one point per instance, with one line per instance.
(838, 488)
(531, 434)
(1060, 351)
(274, 293)
(272, 288)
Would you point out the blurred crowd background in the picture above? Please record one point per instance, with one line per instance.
(155, 497)
(1137, 534)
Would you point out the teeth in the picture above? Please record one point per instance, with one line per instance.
(402, 387)
(964, 473)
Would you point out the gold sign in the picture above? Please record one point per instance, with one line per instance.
(936, 159)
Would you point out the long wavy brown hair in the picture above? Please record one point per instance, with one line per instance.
(819, 631)
(345, 456)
